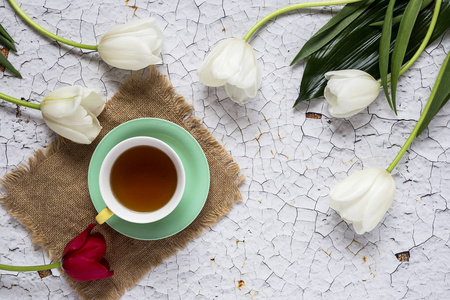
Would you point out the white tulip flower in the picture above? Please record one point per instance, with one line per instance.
(232, 63)
(350, 91)
(72, 113)
(132, 46)
(364, 198)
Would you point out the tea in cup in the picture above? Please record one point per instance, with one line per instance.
(141, 180)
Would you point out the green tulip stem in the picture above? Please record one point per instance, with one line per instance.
(30, 268)
(294, 7)
(421, 119)
(19, 102)
(46, 32)
(425, 41)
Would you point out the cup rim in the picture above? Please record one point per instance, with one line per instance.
(120, 210)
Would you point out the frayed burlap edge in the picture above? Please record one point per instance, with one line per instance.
(15, 176)
(186, 112)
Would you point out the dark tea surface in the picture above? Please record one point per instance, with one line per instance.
(143, 178)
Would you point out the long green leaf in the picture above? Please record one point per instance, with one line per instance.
(5, 42)
(398, 19)
(5, 62)
(357, 47)
(385, 47)
(445, 102)
(5, 34)
(401, 44)
(441, 96)
(338, 23)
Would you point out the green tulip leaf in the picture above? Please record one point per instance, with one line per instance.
(401, 44)
(357, 47)
(329, 31)
(385, 47)
(5, 62)
(5, 42)
(5, 34)
(398, 19)
(440, 94)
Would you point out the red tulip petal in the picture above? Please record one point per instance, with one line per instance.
(78, 241)
(82, 269)
(104, 262)
(98, 235)
(94, 248)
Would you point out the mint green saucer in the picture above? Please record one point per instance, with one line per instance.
(195, 166)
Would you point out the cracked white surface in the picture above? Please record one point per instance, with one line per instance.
(282, 241)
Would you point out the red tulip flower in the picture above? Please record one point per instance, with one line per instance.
(83, 259)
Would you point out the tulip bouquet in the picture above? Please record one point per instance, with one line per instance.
(82, 258)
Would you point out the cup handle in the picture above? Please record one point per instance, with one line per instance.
(104, 215)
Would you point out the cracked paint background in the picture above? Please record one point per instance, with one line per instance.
(282, 241)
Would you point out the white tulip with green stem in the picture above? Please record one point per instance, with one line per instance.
(69, 111)
(131, 46)
(355, 40)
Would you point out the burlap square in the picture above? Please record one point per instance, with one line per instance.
(50, 195)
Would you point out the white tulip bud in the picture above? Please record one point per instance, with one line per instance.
(132, 46)
(232, 63)
(350, 91)
(364, 198)
(72, 113)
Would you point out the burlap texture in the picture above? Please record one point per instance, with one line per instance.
(50, 194)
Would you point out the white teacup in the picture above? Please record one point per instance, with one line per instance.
(114, 207)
